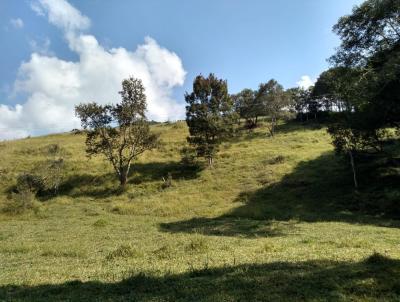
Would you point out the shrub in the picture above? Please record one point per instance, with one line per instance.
(197, 244)
(164, 252)
(28, 182)
(20, 202)
(167, 182)
(276, 160)
(100, 223)
(123, 251)
(188, 156)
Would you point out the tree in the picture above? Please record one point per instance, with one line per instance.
(365, 77)
(299, 101)
(119, 132)
(209, 115)
(371, 43)
(247, 107)
(373, 26)
(352, 142)
(274, 99)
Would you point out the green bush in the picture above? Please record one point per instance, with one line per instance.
(20, 202)
(167, 182)
(123, 251)
(188, 156)
(276, 160)
(28, 182)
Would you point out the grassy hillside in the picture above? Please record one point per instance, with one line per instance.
(275, 219)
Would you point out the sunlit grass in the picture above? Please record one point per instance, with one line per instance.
(269, 208)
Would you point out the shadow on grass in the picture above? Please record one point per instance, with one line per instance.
(155, 171)
(89, 185)
(282, 128)
(230, 226)
(106, 185)
(317, 190)
(376, 278)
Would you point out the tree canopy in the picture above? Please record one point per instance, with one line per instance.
(119, 132)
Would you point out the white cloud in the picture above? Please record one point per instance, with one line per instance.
(42, 46)
(305, 82)
(17, 23)
(62, 14)
(54, 86)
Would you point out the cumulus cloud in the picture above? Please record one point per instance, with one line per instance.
(305, 82)
(54, 86)
(17, 23)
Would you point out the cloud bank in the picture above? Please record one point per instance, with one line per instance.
(54, 86)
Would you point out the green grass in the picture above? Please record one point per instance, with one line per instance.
(276, 219)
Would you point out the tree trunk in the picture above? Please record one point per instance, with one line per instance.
(123, 179)
(272, 128)
(353, 167)
(210, 161)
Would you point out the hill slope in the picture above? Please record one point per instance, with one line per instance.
(275, 219)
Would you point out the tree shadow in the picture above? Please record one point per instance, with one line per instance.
(376, 278)
(227, 225)
(282, 128)
(156, 171)
(106, 185)
(89, 185)
(316, 191)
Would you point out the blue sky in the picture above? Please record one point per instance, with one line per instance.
(245, 42)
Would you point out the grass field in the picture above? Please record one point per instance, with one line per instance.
(276, 219)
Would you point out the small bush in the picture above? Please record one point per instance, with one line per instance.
(276, 160)
(100, 223)
(123, 251)
(20, 202)
(30, 182)
(164, 252)
(197, 244)
(167, 182)
(188, 156)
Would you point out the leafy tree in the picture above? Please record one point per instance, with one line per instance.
(209, 115)
(352, 142)
(247, 107)
(371, 43)
(373, 26)
(274, 99)
(339, 88)
(119, 132)
(299, 101)
(366, 77)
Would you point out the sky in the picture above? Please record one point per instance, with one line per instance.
(56, 54)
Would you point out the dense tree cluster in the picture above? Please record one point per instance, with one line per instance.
(365, 80)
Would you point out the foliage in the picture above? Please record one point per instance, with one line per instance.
(371, 28)
(210, 115)
(275, 100)
(119, 132)
(355, 140)
(167, 182)
(19, 202)
(28, 182)
(248, 107)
